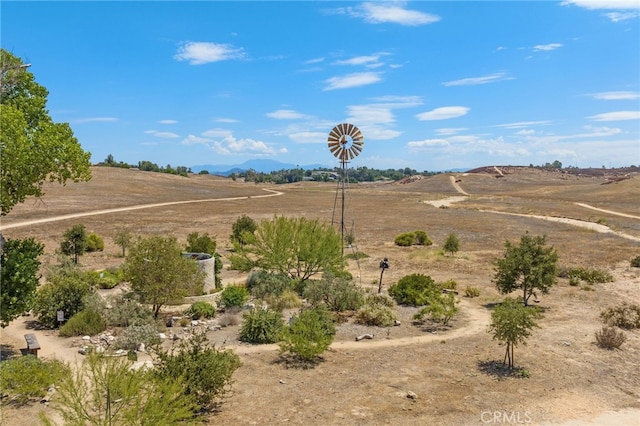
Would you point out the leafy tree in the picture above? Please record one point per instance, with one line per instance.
(18, 277)
(529, 266)
(452, 244)
(203, 371)
(414, 289)
(298, 247)
(107, 391)
(123, 238)
(309, 334)
(66, 290)
(241, 226)
(34, 148)
(200, 243)
(511, 323)
(159, 274)
(75, 242)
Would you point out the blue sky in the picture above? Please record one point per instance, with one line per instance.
(431, 85)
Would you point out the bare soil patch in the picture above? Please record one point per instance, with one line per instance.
(453, 373)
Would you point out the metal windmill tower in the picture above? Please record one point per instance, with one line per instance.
(345, 143)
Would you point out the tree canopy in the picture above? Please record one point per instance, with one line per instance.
(529, 266)
(35, 149)
(298, 247)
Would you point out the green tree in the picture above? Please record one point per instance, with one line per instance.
(452, 244)
(123, 238)
(241, 226)
(159, 274)
(414, 289)
(107, 391)
(18, 277)
(75, 242)
(66, 290)
(529, 266)
(511, 323)
(200, 243)
(34, 148)
(298, 247)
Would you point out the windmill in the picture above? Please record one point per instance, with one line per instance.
(345, 143)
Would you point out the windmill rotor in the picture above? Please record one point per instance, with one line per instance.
(345, 142)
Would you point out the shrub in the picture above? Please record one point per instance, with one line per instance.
(261, 326)
(414, 289)
(470, 291)
(441, 308)
(234, 296)
(405, 239)
(262, 284)
(201, 309)
(94, 243)
(133, 335)
(309, 334)
(87, 322)
(448, 285)
(229, 318)
(288, 299)
(204, 370)
(625, 315)
(591, 276)
(377, 311)
(421, 239)
(243, 227)
(635, 262)
(27, 377)
(610, 338)
(337, 294)
(356, 256)
(125, 312)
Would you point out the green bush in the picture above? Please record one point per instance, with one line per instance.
(414, 290)
(133, 335)
(87, 322)
(234, 296)
(610, 338)
(26, 377)
(261, 326)
(626, 315)
(448, 285)
(377, 311)
(589, 275)
(356, 256)
(337, 294)
(405, 239)
(442, 308)
(421, 239)
(635, 262)
(94, 243)
(124, 312)
(262, 284)
(470, 291)
(309, 334)
(201, 309)
(288, 299)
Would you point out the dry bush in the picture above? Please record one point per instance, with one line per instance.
(625, 315)
(610, 338)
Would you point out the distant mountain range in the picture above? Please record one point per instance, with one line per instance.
(262, 166)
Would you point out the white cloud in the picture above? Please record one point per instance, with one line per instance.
(492, 78)
(604, 4)
(391, 12)
(309, 137)
(168, 122)
(223, 142)
(198, 53)
(616, 96)
(546, 47)
(621, 16)
(163, 135)
(443, 113)
(449, 130)
(616, 116)
(526, 132)
(226, 120)
(96, 120)
(286, 114)
(415, 146)
(360, 60)
(352, 80)
(313, 61)
(521, 124)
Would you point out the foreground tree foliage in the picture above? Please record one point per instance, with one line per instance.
(159, 274)
(511, 323)
(19, 277)
(298, 247)
(529, 266)
(107, 391)
(27, 378)
(34, 148)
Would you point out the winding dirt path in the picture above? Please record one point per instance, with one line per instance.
(273, 193)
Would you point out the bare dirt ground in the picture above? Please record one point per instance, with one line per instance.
(452, 372)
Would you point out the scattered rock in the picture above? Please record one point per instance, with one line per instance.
(411, 395)
(364, 336)
(396, 323)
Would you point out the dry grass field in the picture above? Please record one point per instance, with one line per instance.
(451, 371)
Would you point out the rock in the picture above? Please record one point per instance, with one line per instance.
(396, 323)
(364, 336)
(83, 350)
(142, 348)
(162, 336)
(99, 349)
(86, 338)
(411, 395)
(194, 323)
(249, 306)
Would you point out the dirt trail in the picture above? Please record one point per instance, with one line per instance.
(273, 193)
(456, 186)
(587, 206)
